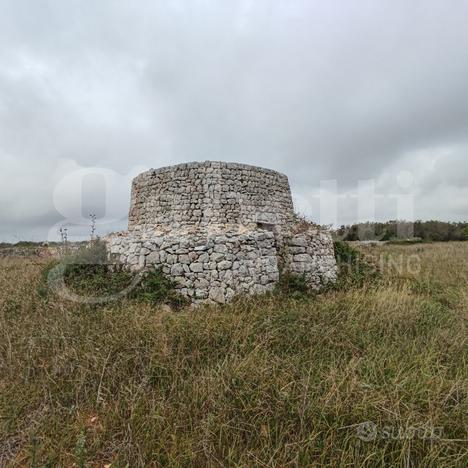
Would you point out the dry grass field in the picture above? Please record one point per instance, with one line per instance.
(269, 381)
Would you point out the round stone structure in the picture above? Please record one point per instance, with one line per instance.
(204, 193)
(220, 229)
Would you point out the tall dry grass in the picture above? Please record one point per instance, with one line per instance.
(267, 381)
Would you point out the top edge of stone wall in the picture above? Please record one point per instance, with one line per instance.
(209, 164)
(209, 192)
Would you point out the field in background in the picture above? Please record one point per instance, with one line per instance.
(269, 381)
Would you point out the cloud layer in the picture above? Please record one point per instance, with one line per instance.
(348, 91)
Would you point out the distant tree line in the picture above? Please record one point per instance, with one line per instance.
(425, 230)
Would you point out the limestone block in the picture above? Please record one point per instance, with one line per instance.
(196, 267)
(224, 265)
(217, 294)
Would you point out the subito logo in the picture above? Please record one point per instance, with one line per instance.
(366, 431)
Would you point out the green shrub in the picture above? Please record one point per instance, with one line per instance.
(353, 269)
(344, 253)
(294, 286)
(156, 288)
(86, 272)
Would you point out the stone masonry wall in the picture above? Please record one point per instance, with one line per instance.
(212, 267)
(311, 253)
(209, 193)
(220, 229)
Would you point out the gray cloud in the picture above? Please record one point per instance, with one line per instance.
(319, 90)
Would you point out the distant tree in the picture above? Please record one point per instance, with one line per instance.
(431, 230)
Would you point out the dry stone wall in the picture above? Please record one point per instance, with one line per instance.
(206, 266)
(209, 193)
(219, 230)
(311, 253)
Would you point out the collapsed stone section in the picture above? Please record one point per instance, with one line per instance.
(220, 229)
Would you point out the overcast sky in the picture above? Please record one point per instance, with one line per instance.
(91, 93)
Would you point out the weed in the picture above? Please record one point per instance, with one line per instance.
(353, 269)
(156, 288)
(80, 449)
(294, 286)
